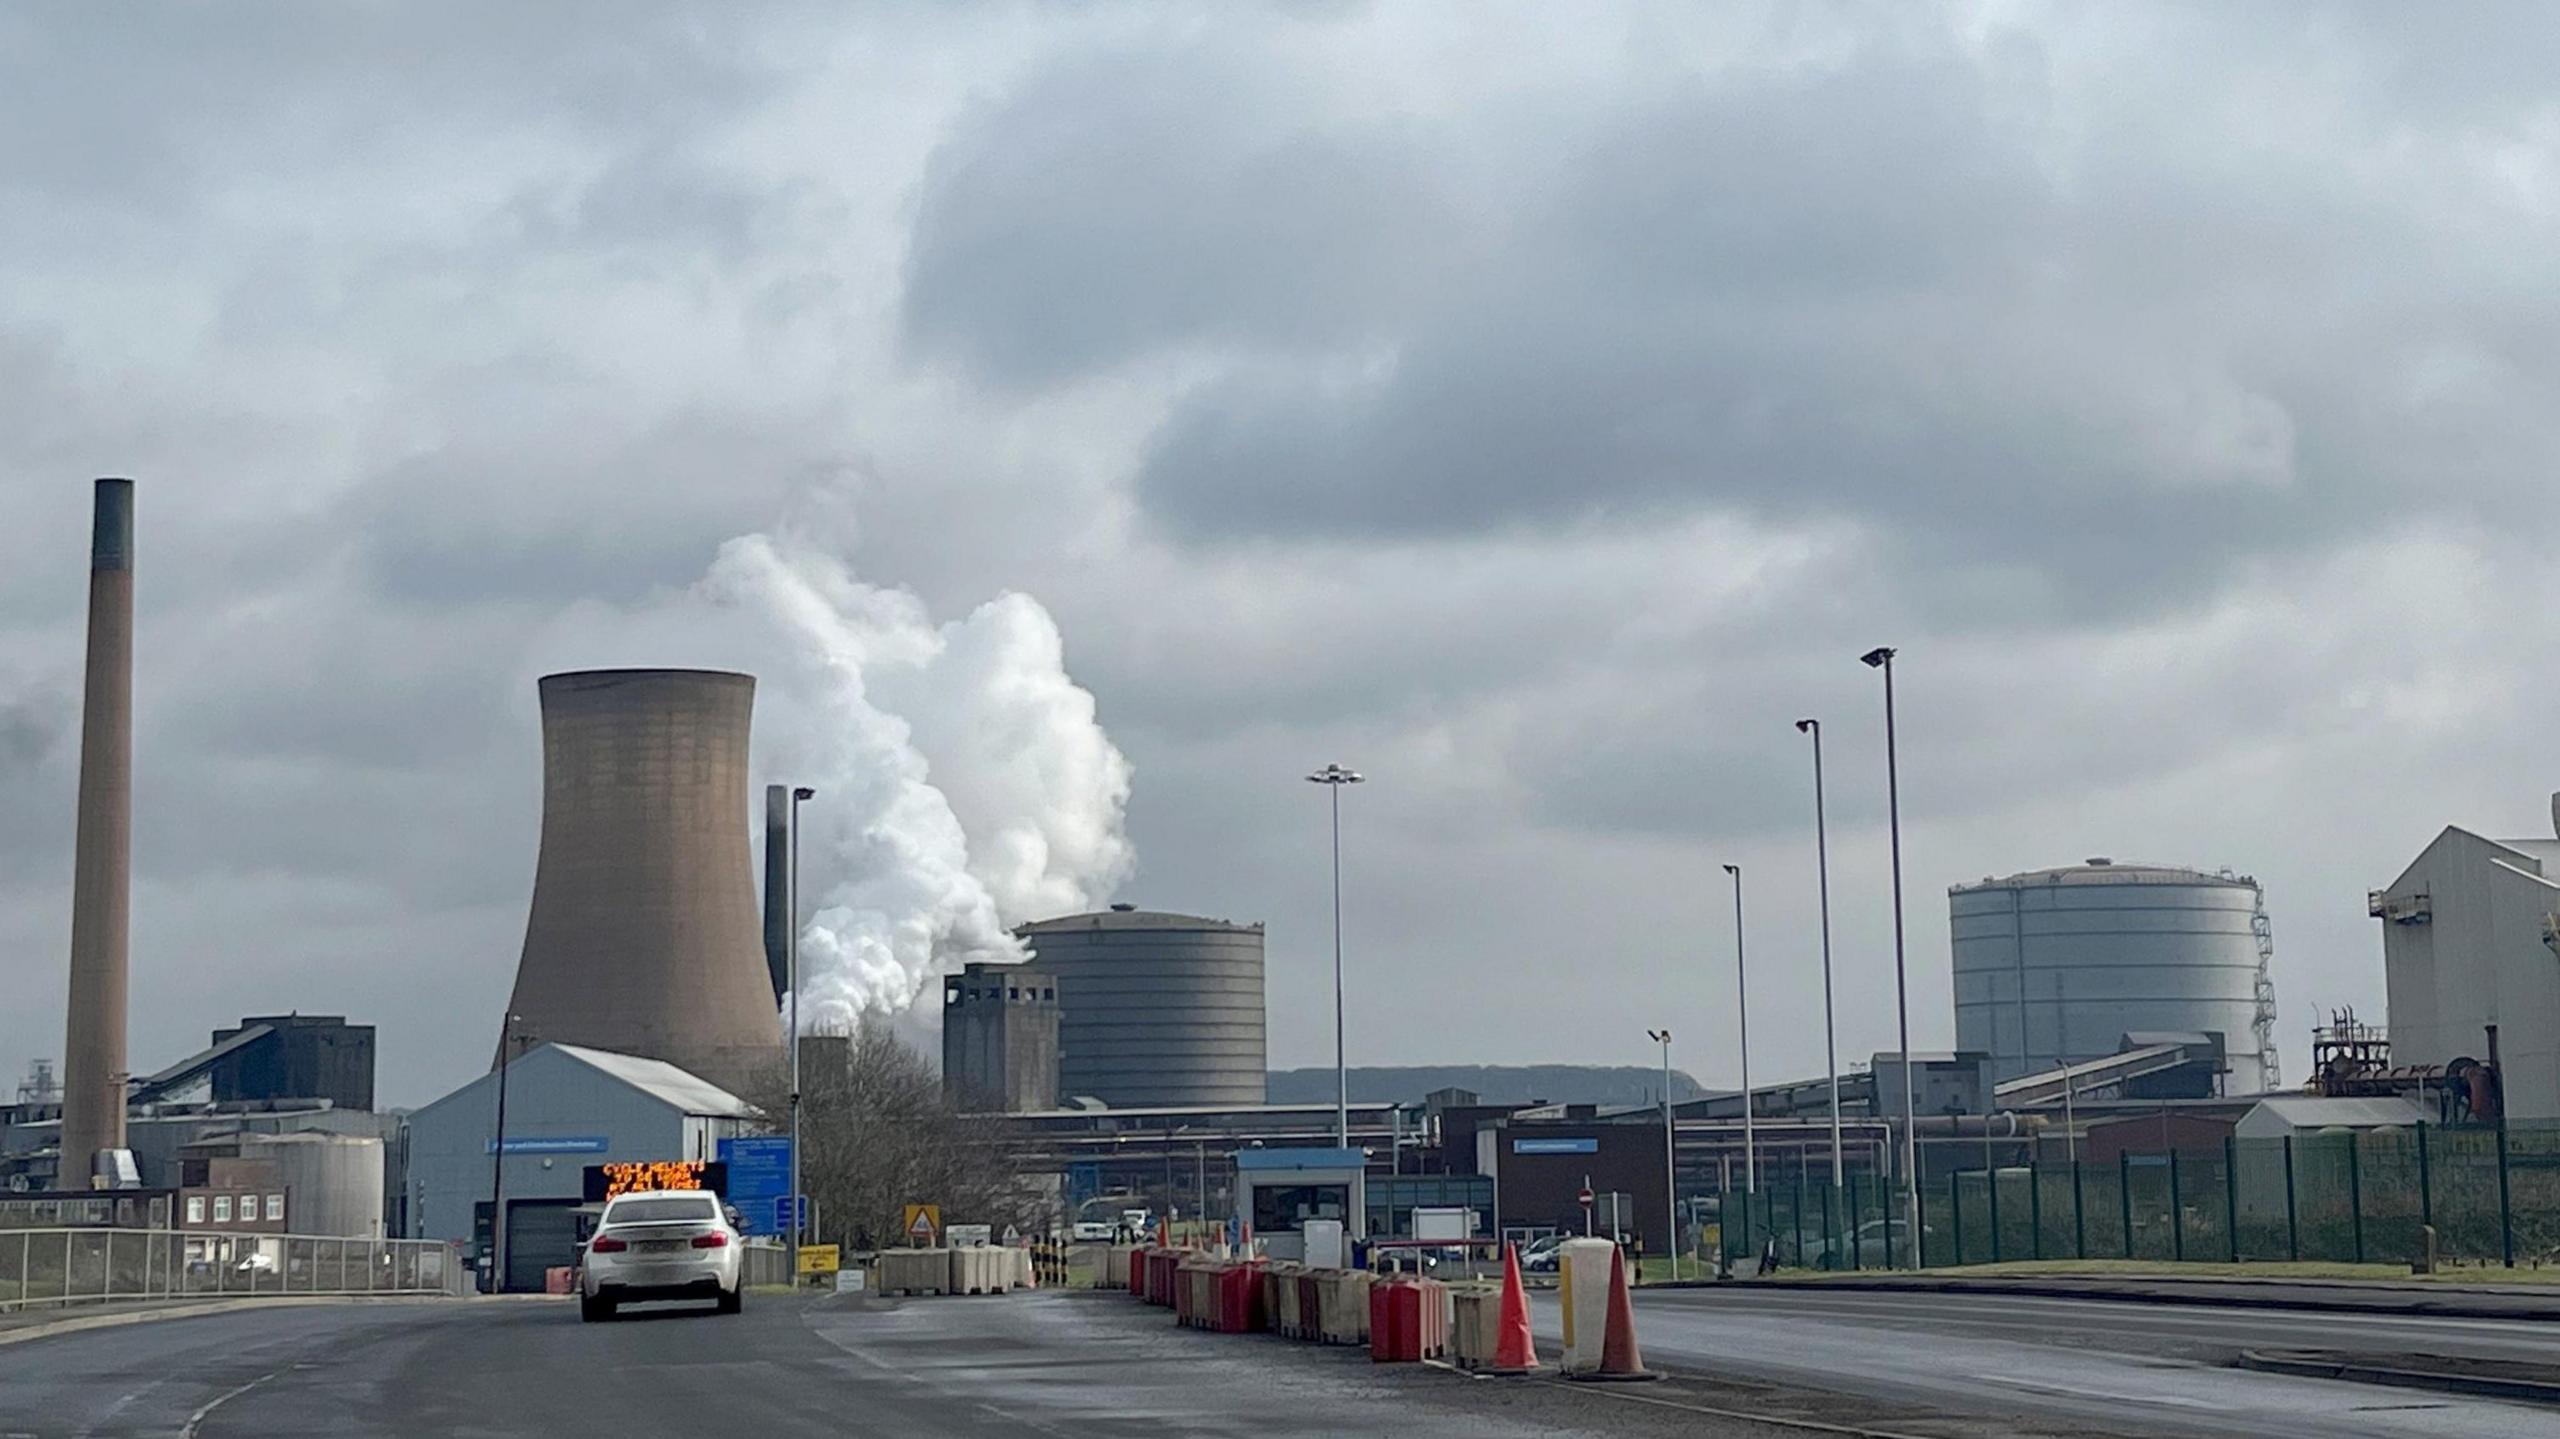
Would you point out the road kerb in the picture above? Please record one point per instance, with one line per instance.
(2401, 1300)
(74, 1324)
(2311, 1364)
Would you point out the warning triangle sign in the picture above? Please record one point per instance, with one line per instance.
(924, 1224)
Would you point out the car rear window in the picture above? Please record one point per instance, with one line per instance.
(657, 1211)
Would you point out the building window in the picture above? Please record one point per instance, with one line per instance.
(195, 1209)
(222, 1209)
(1286, 1209)
(275, 1208)
(1014, 992)
(1048, 994)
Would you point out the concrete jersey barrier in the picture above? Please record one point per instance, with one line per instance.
(1475, 1324)
(1280, 1298)
(1342, 1297)
(1582, 1269)
(914, 1271)
(981, 1269)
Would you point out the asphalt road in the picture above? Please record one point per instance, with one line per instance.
(1045, 1364)
(2072, 1365)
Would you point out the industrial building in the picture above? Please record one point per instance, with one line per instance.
(2054, 967)
(2468, 941)
(644, 936)
(266, 1077)
(1155, 1009)
(1000, 1038)
(567, 1107)
(295, 1056)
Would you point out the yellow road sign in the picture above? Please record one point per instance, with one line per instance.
(924, 1225)
(819, 1259)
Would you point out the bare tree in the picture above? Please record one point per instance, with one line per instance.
(877, 1133)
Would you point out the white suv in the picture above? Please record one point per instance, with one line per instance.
(670, 1244)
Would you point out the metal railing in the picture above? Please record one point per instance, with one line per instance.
(60, 1267)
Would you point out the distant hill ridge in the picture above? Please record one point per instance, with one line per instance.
(1496, 1083)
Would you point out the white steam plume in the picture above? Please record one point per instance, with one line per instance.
(964, 783)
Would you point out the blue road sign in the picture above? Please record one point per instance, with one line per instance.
(760, 1180)
(782, 1208)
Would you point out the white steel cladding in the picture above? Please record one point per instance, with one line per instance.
(2056, 966)
(1155, 1009)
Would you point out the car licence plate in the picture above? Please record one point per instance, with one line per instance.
(662, 1246)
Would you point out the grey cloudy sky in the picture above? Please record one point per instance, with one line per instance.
(1539, 408)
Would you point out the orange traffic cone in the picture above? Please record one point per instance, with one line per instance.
(1514, 1352)
(1619, 1358)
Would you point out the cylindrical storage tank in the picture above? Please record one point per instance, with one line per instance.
(332, 1182)
(644, 937)
(2056, 966)
(1155, 1009)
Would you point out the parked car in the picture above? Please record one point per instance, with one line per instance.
(669, 1244)
(1833, 1253)
(1540, 1256)
(1089, 1229)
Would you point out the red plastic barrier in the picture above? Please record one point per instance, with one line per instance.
(1164, 1276)
(560, 1280)
(1240, 1299)
(1408, 1320)
(1138, 1272)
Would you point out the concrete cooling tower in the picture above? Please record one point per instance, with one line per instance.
(644, 937)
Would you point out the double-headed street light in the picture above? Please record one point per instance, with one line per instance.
(1670, 1151)
(1333, 777)
(1881, 658)
(1822, 870)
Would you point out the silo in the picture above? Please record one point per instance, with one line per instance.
(1155, 1009)
(2055, 966)
(644, 937)
(333, 1182)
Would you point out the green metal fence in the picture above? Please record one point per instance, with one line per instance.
(2490, 1194)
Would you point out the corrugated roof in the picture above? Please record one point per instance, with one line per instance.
(2107, 871)
(681, 1088)
(2314, 1111)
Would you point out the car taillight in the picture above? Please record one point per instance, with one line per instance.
(713, 1240)
(607, 1244)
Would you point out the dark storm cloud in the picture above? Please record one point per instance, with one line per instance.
(33, 722)
(520, 506)
(204, 96)
(2052, 367)
(1538, 409)
(1120, 203)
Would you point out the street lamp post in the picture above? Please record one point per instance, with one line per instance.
(1670, 1151)
(498, 1159)
(1822, 870)
(1742, 1017)
(791, 890)
(1881, 657)
(1333, 777)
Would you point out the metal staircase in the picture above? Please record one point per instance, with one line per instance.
(2263, 1021)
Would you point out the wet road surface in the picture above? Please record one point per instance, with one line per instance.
(2110, 1366)
(1043, 1364)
